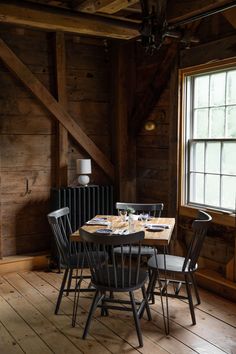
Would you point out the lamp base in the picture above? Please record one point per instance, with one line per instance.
(83, 180)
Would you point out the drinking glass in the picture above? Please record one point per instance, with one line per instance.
(123, 214)
(144, 217)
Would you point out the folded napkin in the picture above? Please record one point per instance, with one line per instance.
(161, 226)
(121, 232)
(97, 221)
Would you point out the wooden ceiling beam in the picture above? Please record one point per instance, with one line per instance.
(20, 70)
(46, 18)
(230, 16)
(180, 10)
(105, 6)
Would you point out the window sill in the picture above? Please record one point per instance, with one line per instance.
(217, 216)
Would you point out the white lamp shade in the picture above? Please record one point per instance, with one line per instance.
(83, 166)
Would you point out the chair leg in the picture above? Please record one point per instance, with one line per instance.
(152, 296)
(61, 291)
(93, 307)
(136, 319)
(190, 299)
(146, 303)
(69, 281)
(195, 288)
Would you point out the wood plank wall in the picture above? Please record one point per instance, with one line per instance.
(88, 90)
(27, 142)
(153, 146)
(28, 131)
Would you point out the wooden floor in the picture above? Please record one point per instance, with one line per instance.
(28, 323)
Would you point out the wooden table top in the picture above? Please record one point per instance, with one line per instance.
(152, 238)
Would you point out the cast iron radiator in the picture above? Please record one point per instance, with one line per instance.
(84, 202)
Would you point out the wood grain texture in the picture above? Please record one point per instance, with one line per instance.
(46, 19)
(24, 74)
(62, 134)
(124, 145)
(213, 334)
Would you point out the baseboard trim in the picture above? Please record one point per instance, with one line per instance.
(213, 281)
(25, 262)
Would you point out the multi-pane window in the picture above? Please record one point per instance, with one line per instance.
(210, 137)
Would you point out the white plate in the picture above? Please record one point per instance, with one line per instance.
(103, 231)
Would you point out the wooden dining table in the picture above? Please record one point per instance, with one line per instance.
(152, 238)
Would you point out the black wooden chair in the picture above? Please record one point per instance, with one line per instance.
(72, 257)
(117, 274)
(181, 266)
(154, 210)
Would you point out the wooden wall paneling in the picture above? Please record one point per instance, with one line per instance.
(33, 84)
(62, 156)
(27, 139)
(88, 78)
(157, 84)
(124, 145)
(26, 180)
(153, 156)
(216, 50)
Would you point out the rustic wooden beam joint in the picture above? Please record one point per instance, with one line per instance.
(56, 109)
(51, 19)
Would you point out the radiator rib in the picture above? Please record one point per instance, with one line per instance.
(84, 202)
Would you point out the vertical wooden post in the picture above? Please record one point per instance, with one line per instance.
(62, 157)
(124, 145)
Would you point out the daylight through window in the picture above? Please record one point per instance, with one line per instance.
(210, 139)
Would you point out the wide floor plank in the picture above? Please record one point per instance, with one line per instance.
(28, 323)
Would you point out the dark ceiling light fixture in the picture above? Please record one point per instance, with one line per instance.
(154, 28)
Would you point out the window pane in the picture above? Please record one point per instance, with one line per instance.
(200, 124)
(201, 91)
(229, 192)
(212, 157)
(212, 192)
(231, 122)
(197, 157)
(217, 89)
(196, 188)
(229, 158)
(231, 87)
(217, 122)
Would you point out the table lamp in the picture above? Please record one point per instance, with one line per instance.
(83, 168)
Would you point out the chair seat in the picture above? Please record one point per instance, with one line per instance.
(81, 261)
(173, 263)
(145, 250)
(107, 280)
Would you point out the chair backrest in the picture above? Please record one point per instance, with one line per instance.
(108, 268)
(154, 209)
(61, 228)
(199, 227)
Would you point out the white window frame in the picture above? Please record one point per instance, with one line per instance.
(186, 208)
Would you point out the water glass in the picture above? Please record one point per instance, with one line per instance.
(131, 222)
(144, 217)
(123, 214)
